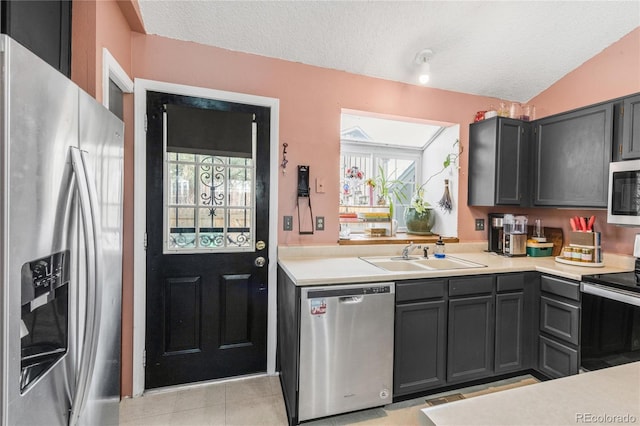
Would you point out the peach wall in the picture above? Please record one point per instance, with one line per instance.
(311, 100)
(83, 47)
(613, 73)
(98, 24)
(114, 33)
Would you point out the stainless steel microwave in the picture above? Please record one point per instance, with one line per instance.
(623, 207)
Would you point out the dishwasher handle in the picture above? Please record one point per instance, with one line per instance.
(348, 300)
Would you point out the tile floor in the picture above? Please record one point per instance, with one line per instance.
(250, 401)
(258, 400)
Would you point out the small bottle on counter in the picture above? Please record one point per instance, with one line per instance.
(567, 253)
(587, 255)
(439, 249)
(576, 255)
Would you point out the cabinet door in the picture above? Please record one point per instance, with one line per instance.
(511, 173)
(509, 332)
(631, 128)
(470, 338)
(498, 159)
(572, 155)
(482, 163)
(44, 27)
(420, 345)
(557, 360)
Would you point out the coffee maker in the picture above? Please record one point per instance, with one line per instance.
(514, 237)
(495, 232)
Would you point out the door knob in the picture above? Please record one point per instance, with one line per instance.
(260, 261)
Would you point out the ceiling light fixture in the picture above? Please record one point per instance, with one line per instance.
(422, 60)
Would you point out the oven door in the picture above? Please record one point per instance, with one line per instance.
(610, 327)
(623, 207)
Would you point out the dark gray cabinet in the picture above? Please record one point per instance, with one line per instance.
(559, 326)
(44, 27)
(572, 152)
(420, 347)
(557, 359)
(560, 319)
(288, 347)
(498, 162)
(631, 128)
(470, 347)
(509, 348)
(420, 336)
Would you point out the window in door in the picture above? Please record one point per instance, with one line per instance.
(209, 179)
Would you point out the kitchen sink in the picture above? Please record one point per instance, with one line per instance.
(414, 264)
(397, 265)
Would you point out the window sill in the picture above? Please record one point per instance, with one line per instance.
(400, 238)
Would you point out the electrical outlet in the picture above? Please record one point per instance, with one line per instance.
(319, 223)
(479, 224)
(287, 224)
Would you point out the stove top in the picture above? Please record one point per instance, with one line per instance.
(622, 280)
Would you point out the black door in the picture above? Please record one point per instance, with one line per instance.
(207, 229)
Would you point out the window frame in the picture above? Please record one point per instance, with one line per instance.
(364, 148)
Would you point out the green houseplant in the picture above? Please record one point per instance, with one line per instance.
(419, 216)
(387, 189)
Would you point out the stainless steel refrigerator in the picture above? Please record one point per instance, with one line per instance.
(61, 248)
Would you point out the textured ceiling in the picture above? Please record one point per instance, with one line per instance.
(511, 50)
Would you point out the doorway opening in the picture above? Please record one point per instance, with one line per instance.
(142, 87)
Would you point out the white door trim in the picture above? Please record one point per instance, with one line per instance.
(140, 217)
(111, 70)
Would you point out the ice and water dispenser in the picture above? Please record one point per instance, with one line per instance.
(44, 330)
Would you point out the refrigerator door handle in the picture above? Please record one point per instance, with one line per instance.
(88, 199)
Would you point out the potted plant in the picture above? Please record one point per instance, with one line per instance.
(388, 189)
(419, 216)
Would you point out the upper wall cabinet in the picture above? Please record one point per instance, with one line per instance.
(44, 27)
(631, 128)
(572, 152)
(498, 159)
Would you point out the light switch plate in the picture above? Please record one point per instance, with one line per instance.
(287, 223)
(319, 185)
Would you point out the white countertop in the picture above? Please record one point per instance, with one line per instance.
(608, 396)
(337, 265)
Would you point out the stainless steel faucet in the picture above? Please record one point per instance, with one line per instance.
(407, 250)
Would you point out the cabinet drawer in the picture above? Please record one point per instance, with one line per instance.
(510, 282)
(568, 289)
(421, 289)
(473, 285)
(560, 319)
(556, 359)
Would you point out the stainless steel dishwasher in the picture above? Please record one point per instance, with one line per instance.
(346, 348)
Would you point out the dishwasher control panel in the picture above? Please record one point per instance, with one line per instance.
(354, 290)
(376, 290)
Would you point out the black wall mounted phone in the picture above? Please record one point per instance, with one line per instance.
(303, 192)
(303, 181)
